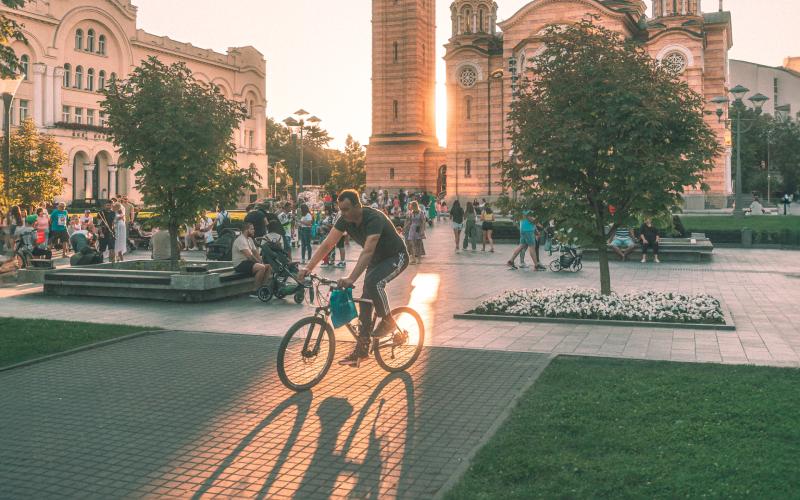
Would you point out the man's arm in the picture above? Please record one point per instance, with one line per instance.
(363, 261)
(323, 249)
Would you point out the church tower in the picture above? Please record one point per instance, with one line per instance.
(403, 151)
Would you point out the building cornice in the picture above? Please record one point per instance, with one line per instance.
(621, 15)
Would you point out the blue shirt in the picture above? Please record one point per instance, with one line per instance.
(58, 220)
(525, 226)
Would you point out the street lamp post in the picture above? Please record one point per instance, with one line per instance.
(758, 101)
(297, 124)
(497, 74)
(8, 87)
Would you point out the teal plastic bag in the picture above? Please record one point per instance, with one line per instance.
(343, 309)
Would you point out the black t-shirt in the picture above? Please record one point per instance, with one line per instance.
(649, 232)
(375, 222)
(457, 214)
(106, 222)
(259, 221)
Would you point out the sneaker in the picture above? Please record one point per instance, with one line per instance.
(657, 261)
(253, 295)
(386, 327)
(541, 267)
(341, 264)
(644, 260)
(523, 265)
(360, 351)
(511, 266)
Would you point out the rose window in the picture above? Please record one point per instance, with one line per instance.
(468, 77)
(674, 62)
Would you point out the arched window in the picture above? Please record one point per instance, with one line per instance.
(90, 79)
(468, 108)
(395, 109)
(24, 65)
(79, 40)
(250, 106)
(101, 45)
(67, 75)
(481, 17)
(466, 14)
(90, 41)
(396, 51)
(79, 77)
(101, 80)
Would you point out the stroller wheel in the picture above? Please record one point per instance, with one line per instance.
(577, 267)
(265, 294)
(555, 266)
(300, 296)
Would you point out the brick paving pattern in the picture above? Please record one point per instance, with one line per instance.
(197, 415)
(760, 287)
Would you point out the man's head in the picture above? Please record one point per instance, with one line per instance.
(87, 212)
(62, 206)
(350, 205)
(648, 221)
(287, 206)
(203, 213)
(248, 230)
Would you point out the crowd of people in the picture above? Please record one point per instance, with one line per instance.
(48, 229)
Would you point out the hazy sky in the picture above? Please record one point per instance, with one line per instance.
(318, 51)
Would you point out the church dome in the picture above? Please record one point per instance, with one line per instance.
(473, 16)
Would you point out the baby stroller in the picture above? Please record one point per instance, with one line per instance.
(284, 274)
(571, 258)
(222, 248)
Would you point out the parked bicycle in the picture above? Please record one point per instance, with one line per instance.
(307, 350)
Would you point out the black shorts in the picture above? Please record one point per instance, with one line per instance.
(107, 244)
(245, 267)
(59, 237)
(487, 226)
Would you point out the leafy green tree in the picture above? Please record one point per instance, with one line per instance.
(10, 30)
(754, 149)
(180, 132)
(602, 125)
(36, 161)
(283, 146)
(785, 153)
(349, 170)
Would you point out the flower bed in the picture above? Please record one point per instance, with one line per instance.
(589, 304)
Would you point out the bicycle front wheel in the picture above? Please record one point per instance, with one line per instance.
(399, 350)
(306, 353)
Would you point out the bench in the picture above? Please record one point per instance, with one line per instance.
(696, 249)
(42, 263)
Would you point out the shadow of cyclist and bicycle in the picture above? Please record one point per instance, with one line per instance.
(372, 456)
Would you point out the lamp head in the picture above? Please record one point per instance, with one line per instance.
(739, 92)
(758, 101)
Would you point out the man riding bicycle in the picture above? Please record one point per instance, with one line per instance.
(384, 257)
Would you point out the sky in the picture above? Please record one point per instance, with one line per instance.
(318, 51)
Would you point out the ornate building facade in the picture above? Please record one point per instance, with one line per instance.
(75, 47)
(485, 60)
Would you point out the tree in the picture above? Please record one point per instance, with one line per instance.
(10, 30)
(754, 149)
(349, 168)
(36, 161)
(785, 153)
(282, 146)
(602, 125)
(180, 132)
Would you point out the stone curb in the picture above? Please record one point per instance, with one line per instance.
(86, 347)
(729, 325)
(491, 431)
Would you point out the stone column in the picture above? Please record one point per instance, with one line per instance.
(39, 100)
(57, 82)
(112, 181)
(88, 179)
(261, 134)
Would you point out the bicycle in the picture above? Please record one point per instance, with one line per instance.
(307, 350)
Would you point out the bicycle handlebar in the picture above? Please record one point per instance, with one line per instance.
(324, 281)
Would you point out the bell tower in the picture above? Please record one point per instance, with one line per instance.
(403, 146)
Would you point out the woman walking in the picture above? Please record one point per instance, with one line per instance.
(306, 221)
(431, 210)
(487, 226)
(415, 232)
(470, 226)
(457, 219)
(121, 232)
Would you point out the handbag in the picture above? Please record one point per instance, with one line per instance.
(343, 309)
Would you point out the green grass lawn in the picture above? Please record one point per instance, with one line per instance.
(24, 339)
(613, 428)
(758, 223)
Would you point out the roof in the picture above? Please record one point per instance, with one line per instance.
(723, 17)
(776, 68)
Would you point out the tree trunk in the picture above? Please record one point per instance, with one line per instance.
(605, 275)
(174, 252)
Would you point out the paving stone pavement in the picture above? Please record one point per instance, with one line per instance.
(760, 287)
(181, 414)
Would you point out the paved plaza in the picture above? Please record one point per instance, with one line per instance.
(184, 414)
(761, 288)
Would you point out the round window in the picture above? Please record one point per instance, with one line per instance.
(468, 77)
(674, 62)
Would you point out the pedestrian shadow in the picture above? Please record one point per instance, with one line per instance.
(388, 444)
(302, 401)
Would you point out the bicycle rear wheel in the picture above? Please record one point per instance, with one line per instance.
(306, 353)
(399, 350)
